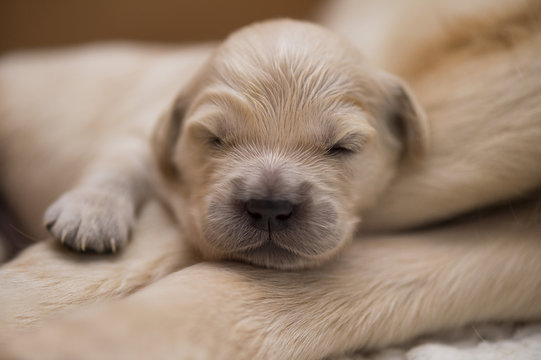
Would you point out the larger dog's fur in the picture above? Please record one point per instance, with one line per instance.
(483, 102)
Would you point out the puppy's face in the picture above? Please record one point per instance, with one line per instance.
(278, 145)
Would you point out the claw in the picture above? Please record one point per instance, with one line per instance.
(113, 245)
(63, 237)
(83, 244)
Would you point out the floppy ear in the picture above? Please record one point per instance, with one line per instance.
(167, 129)
(406, 118)
(166, 134)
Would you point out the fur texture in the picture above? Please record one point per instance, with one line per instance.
(384, 289)
(284, 112)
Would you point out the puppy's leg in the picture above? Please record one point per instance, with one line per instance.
(383, 290)
(99, 212)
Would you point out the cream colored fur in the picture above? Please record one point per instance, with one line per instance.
(279, 96)
(496, 53)
(126, 97)
(435, 46)
(260, 122)
(383, 289)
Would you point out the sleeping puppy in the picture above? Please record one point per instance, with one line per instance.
(269, 156)
(483, 98)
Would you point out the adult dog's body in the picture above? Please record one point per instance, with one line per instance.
(482, 98)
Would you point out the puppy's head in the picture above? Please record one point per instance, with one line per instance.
(280, 142)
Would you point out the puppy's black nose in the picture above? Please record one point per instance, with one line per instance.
(269, 215)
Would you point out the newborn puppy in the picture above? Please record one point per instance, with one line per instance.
(278, 145)
(273, 151)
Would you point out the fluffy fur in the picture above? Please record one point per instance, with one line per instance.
(384, 289)
(284, 111)
(489, 101)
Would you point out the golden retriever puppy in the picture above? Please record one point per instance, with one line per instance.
(270, 155)
(281, 142)
(483, 100)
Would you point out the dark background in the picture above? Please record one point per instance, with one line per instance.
(46, 23)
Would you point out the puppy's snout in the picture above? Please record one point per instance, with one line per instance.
(269, 215)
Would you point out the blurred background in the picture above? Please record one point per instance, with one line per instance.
(36, 24)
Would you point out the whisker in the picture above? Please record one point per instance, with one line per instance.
(24, 234)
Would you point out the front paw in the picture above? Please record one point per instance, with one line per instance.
(91, 219)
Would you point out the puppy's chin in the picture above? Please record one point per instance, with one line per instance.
(271, 255)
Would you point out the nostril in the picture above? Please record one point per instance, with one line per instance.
(253, 213)
(283, 216)
(253, 209)
(285, 212)
(269, 212)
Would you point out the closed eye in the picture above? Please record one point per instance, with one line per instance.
(216, 142)
(206, 136)
(349, 144)
(339, 150)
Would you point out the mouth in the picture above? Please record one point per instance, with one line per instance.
(269, 255)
